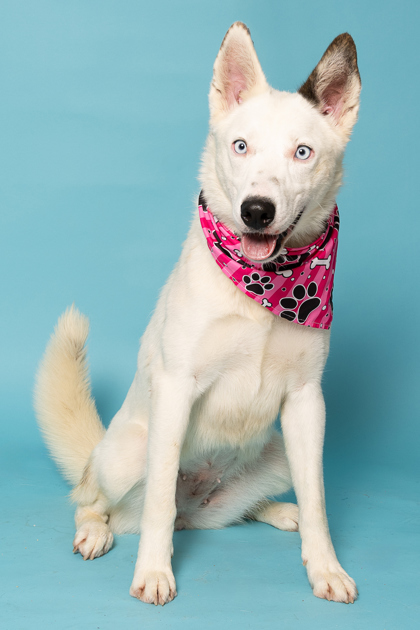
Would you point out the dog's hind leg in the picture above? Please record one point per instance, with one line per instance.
(115, 467)
(93, 536)
(281, 515)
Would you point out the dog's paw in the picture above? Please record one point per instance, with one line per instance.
(93, 539)
(154, 587)
(332, 583)
(284, 516)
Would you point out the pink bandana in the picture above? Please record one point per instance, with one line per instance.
(297, 286)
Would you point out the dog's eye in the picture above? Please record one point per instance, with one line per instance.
(303, 152)
(239, 146)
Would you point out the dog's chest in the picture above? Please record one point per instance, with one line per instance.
(245, 368)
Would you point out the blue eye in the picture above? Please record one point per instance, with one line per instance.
(303, 152)
(240, 146)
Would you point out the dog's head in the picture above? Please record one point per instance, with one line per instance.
(272, 165)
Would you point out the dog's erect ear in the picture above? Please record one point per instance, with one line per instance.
(237, 73)
(334, 86)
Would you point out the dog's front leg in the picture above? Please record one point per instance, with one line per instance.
(303, 423)
(153, 580)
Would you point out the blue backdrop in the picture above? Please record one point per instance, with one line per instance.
(103, 115)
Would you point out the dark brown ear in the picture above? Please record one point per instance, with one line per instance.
(237, 73)
(334, 86)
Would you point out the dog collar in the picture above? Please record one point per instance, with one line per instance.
(297, 286)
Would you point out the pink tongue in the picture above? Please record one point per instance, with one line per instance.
(258, 246)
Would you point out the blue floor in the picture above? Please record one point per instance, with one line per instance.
(247, 576)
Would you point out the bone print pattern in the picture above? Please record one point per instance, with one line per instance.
(318, 262)
(297, 285)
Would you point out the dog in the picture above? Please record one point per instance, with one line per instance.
(194, 444)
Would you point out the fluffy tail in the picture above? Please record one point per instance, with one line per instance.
(64, 406)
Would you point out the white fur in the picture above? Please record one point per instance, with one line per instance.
(214, 367)
(63, 391)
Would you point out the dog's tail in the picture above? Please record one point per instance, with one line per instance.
(64, 406)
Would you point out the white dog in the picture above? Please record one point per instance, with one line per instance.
(193, 445)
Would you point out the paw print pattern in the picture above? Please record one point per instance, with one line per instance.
(257, 284)
(306, 307)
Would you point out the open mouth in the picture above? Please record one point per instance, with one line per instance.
(260, 247)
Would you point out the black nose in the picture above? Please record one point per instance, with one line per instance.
(257, 213)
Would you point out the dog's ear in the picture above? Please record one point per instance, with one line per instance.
(237, 73)
(334, 85)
